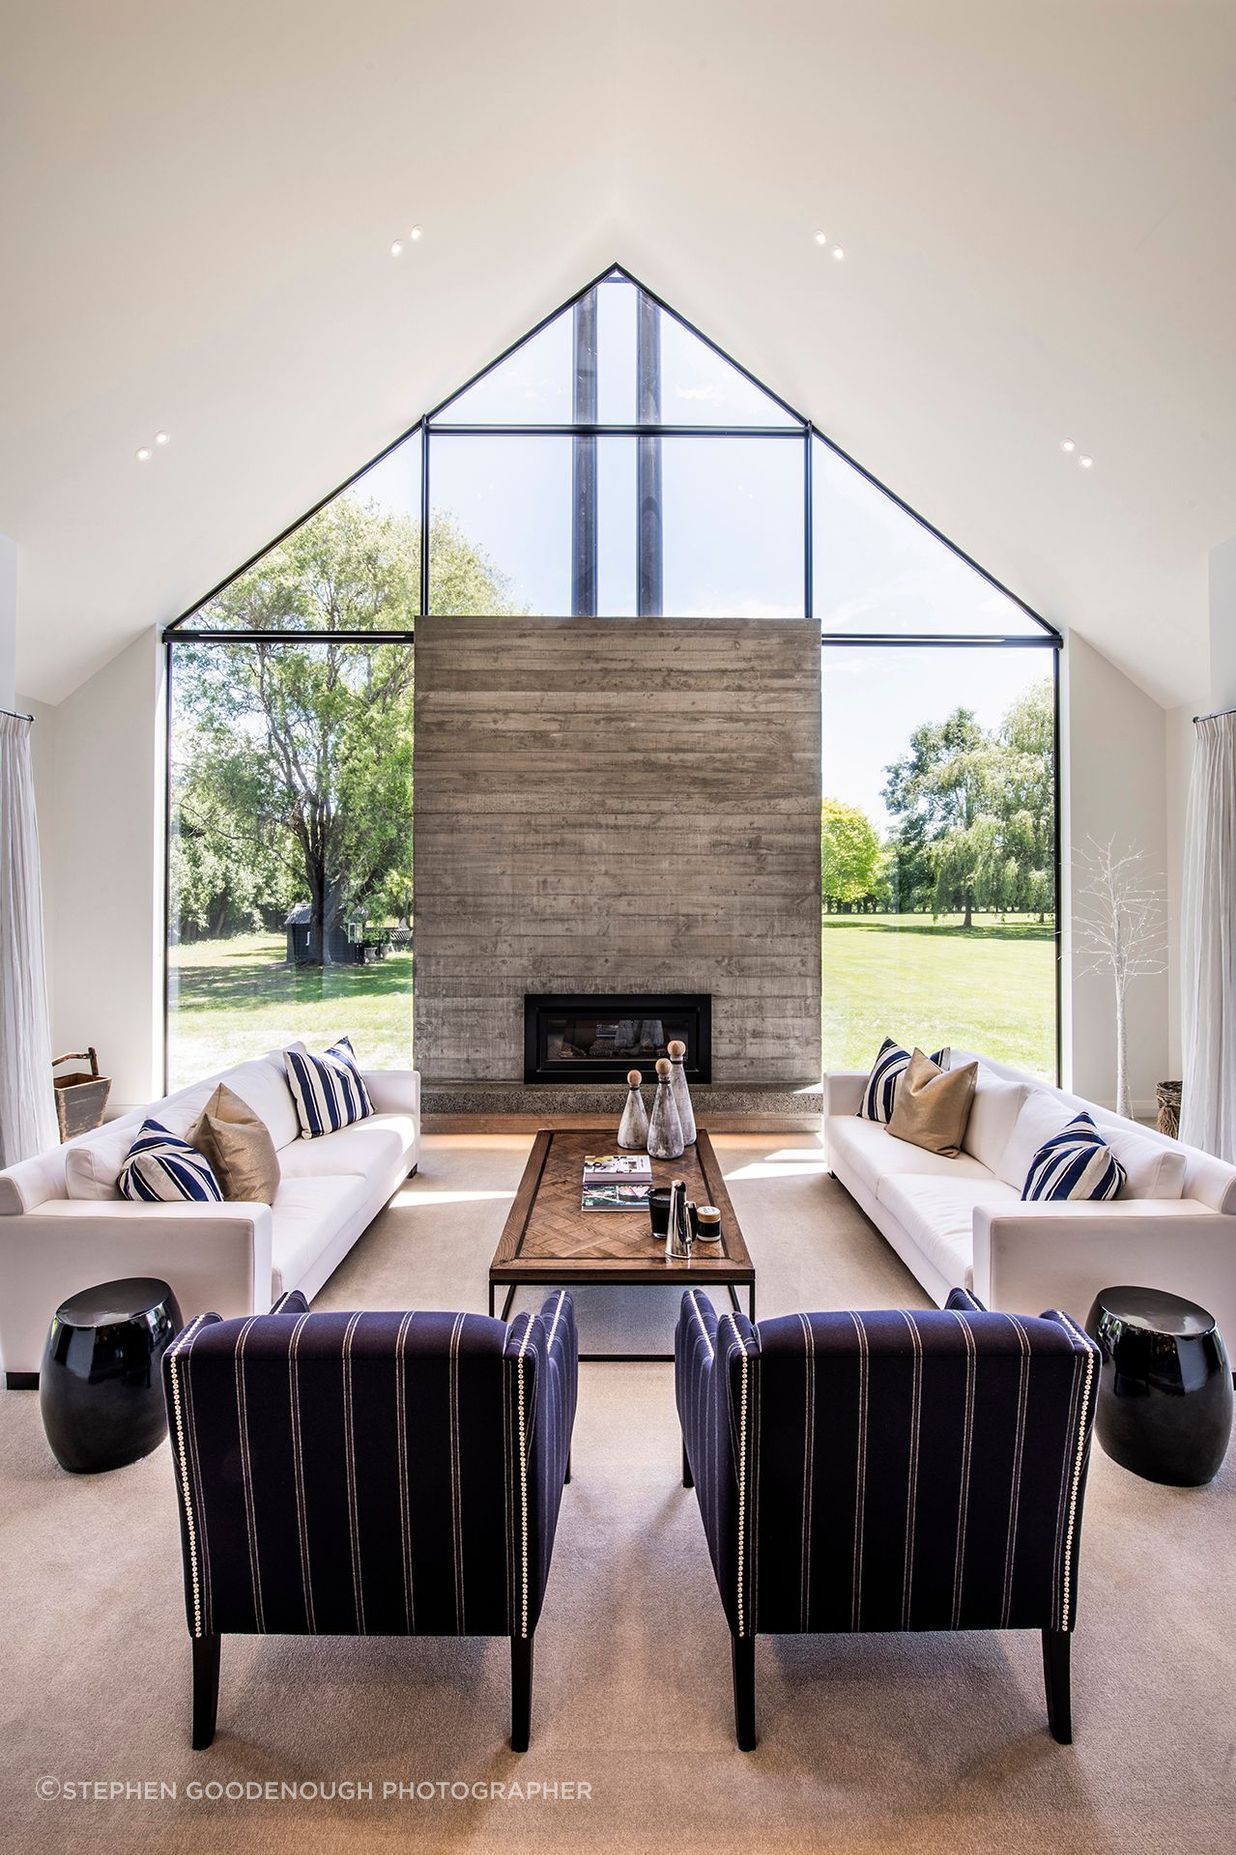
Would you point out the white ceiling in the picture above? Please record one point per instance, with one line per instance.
(1036, 201)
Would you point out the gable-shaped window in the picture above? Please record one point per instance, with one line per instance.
(615, 462)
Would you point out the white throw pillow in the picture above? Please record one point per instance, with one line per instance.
(1040, 1116)
(993, 1115)
(1151, 1170)
(91, 1169)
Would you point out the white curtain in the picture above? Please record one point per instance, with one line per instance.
(1208, 943)
(27, 1105)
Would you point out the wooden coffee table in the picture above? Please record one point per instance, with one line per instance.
(548, 1239)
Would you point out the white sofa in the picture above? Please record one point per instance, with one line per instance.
(64, 1226)
(962, 1223)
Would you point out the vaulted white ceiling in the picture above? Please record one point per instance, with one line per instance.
(1036, 203)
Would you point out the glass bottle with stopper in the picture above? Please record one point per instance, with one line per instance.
(665, 1139)
(682, 1094)
(633, 1127)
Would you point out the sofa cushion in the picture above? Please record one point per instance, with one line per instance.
(239, 1147)
(932, 1105)
(329, 1090)
(1152, 1169)
(260, 1084)
(306, 1216)
(938, 1215)
(993, 1114)
(92, 1164)
(869, 1150)
(1041, 1115)
(886, 1072)
(161, 1168)
(371, 1147)
(1074, 1166)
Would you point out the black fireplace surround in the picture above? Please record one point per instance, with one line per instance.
(599, 1036)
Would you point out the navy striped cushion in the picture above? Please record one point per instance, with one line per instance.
(1075, 1163)
(161, 1168)
(329, 1090)
(881, 1089)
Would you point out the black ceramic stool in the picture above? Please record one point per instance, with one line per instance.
(100, 1386)
(1165, 1395)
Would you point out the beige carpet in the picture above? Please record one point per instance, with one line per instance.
(917, 1743)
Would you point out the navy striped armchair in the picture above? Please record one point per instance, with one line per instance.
(376, 1474)
(889, 1471)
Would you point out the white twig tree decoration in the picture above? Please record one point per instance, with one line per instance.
(1119, 929)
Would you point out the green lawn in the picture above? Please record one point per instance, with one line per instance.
(232, 999)
(904, 976)
(930, 982)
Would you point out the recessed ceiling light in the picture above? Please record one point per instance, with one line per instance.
(163, 437)
(1087, 463)
(821, 238)
(143, 456)
(1067, 445)
(838, 253)
(415, 232)
(397, 248)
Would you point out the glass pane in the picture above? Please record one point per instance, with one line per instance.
(733, 526)
(290, 903)
(879, 570)
(354, 566)
(500, 529)
(535, 384)
(938, 853)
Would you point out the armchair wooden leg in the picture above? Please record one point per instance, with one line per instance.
(688, 1479)
(743, 1656)
(1056, 1681)
(567, 1476)
(205, 1689)
(521, 1692)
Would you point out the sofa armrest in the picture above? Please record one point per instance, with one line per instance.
(394, 1091)
(1043, 1255)
(843, 1091)
(214, 1256)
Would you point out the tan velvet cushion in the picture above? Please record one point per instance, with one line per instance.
(238, 1146)
(932, 1105)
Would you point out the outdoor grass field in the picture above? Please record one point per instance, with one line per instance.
(927, 982)
(232, 999)
(904, 976)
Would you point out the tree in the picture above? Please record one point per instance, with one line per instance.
(1119, 930)
(300, 756)
(943, 783)
(850, 854)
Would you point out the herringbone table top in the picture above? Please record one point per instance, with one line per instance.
(548, 1237)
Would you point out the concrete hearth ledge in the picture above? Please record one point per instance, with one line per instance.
(511, 1107)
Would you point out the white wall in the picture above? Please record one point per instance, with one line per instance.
(8, 623)
(99, 784)
(1115, 786)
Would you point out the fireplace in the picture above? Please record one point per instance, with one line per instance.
(598, 1036)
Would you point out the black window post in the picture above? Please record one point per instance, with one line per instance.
(584, 461)
(648, 457)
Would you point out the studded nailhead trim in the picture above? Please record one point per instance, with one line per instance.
(182, 1466)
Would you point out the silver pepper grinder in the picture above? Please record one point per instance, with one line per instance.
(682, 1094)
(665, 1139)
(633, 1127)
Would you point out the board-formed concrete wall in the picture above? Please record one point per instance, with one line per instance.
(614, 804)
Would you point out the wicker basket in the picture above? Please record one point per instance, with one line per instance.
(82, 1096)
(1169, 1108)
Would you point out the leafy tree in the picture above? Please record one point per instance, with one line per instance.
(295, 780)
(975, 812)
(850, 855)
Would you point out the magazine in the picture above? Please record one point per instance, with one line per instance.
(617, 1169)
(605, 1197)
